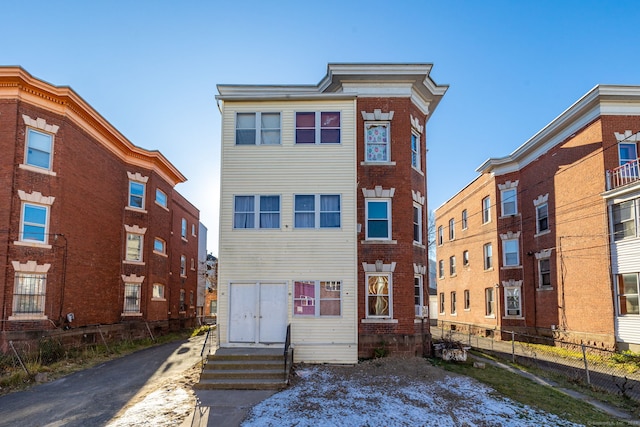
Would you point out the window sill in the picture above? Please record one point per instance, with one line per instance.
(37, 169)
(419, 245)
(21, 317)
(377, 320)
(417, 170)
(184, 239)
(509, 216)
(378, 242)
(162, 206)
(32, 244)
(542, 233)
(544, 288)
(131, 208)
(131, 314)
(512, 317)
(453, 275)
(133, 262)
(493, 316)
(488, 270)
(511, 267)
(183, 276)
(162, 254)
(377, 163)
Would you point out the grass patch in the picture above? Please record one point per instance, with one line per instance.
(527, 392)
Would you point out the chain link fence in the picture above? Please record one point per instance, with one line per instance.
(604, 370)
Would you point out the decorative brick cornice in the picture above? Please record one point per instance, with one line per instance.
(134, 229)
(132, 278)
(508, 185)
(419, 269)
(378, 192)
(541, 200)
(627, 136)
(512, 283)
(415, 123)
(510, 235)
(137, 177)
(545, 253)
(417, 197)
(40, 124)
(377, 115)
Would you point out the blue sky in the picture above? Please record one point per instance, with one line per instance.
(151, 67)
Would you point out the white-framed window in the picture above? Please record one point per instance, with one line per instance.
(39, 149)
(511, 253)
(452, 229)
(193, 264)
(489, 306)
(135, 243)
(625, 220)
(453, 303)
(378, 214)
(417, 223)
(183, 228)
(418, 294)
(261, 128)
(542, 218)
(34, 223)
(486, 210)
(193, 230)
(213, 308)
(487, 250)
(379, 304)
(627, 152)
(440, 236)
(158, 291)
(509, 202)
(317, 298)
(256, 212)
(317, 211)
(467, 299)
(132, 298)
(377, 142)
(627, 290)
(465, 258)
(513, 301)
(183, 266)
(441, 303)
(318, 127)
(544, 272)
(159, 246)
(452, 265)
(161, 198)
(465, 223)
(136, 194)
(441, 268)
(415, 150)
(29, 294)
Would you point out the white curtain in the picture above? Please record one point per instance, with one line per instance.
(269, 211)
(244, 212)
(305, 211)
(330, 211)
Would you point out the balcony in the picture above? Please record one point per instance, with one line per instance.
(623, 175)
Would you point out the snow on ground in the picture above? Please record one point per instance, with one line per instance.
(324, 398)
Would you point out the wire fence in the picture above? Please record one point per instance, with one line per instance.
(600, 369)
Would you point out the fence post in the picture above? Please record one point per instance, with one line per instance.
(18, 357)
(586, 366)
(513, 347)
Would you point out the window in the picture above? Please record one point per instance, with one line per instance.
(34, 223)
(317, 298)
(512, 300)
(183, 266)
(213, 308)
(378, 219)
(317, 211)
(183, 228)
(136, 194)
(467, 299)
(158, 291)
(628, 294)
(488, 256)
(39, 149)
(247, 215)
(193, 230)
(191, 299)
(29, 294)
(441, 303)
(161, 198)
(379, 296)
(509, 202)
(183, 306)
(511, 253)
(452, 229)
(453, 303)
(415, 150)
(441, 269)
(624, 220)
(486, 210)
(318, 128)
(544, 272)
(418, 295)
(465, 224)
(257, 128)
(417, 223)
(193, 264)
(542, 218)
(465, 258)
(440, 236)
(488, 302)
(452, 266)
(377, 142)
(131, 298)
(627, 153)
(134, 247)
(159, 246)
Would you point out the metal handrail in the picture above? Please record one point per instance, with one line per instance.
(287, 347)
(623, 175)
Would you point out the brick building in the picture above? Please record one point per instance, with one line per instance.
(92, 230)
(529, 245)
(323, 220)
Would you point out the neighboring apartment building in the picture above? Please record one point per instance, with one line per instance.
(92, 230)
(534, 244)
(323, 218)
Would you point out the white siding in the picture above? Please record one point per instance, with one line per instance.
(628, 329)
(288, 254)
(625, 256)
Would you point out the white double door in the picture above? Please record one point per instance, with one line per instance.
(258, 313)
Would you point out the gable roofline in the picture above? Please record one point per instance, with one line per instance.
(600, 101)
(16, 83)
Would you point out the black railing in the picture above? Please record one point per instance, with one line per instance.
(288, 353)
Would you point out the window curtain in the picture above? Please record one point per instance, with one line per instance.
(269, 212)
(330, 211)
(244, 216)
(305, 211)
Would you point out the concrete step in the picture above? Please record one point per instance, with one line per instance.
(245, 364)
(247, 357)
(276, 374)
(240, 384)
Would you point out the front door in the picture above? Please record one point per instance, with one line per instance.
(258, 313)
